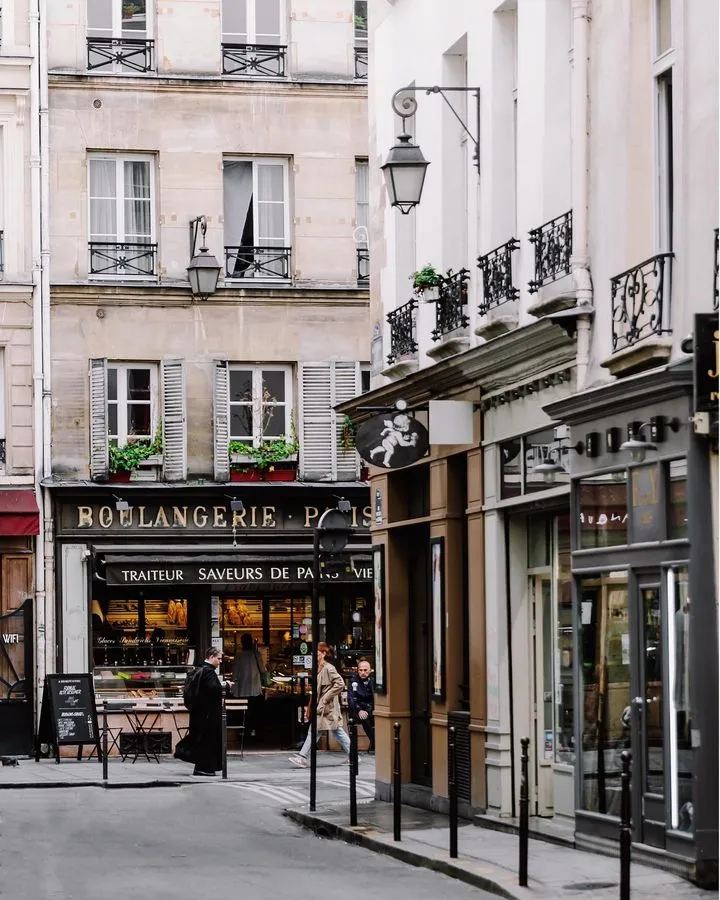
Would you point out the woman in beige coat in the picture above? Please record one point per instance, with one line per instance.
(329, 717)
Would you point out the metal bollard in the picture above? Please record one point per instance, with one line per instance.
(625, 825)
(224, 738)
(353, 771)
(397, 783)
(524, 802)
(452, 792)
(105, 742)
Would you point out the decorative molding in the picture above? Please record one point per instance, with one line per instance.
(528, 388)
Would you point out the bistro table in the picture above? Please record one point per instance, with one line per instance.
(141, 717)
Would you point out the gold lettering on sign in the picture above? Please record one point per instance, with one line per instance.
(180, 516)
(268, 517)
(713, 373)
(311, 513)
(85, 517)
(366, 516)
(253, 517)
(219, 517)
(141, 522)
(238, 518)
(161, 518)
(199, 517)
(126, 517)
(105, 517)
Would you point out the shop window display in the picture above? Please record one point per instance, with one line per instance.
(140, 631)
(603, 511)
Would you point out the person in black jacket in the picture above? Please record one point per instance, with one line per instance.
(205, 734)
(361, 700)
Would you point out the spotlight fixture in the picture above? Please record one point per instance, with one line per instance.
(236, 506)
(120, 504)
(344, 506)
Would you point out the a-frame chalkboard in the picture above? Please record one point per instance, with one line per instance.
(68, 714)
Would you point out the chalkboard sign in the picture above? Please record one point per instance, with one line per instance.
(68, 714)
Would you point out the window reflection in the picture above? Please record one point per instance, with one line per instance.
(603, 511)
(677, 498)
(681, 805)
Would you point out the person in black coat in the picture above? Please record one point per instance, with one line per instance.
(361, 700)
(205, 734)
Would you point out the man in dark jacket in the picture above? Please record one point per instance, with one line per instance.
(205, 734)
(361, 700)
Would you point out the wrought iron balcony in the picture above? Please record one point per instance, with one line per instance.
(363, 264)
(3, 451)
(257, 262)
(123, 54)
(716, 295)
(402, 331)
(123, 259)
(361, 63)
(254, 60)
(497, 280)
(553, 246)
(451, 304)
(641, 301)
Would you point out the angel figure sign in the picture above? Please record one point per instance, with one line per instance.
(392, 441)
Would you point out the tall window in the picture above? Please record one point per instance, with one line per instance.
(121, 215)
(252, 22)
(118, 34)
(256, 218)
(362, 205)
(131, 401)
(663, 60)
(260, 403)
(360, 19)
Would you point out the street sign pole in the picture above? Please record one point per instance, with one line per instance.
(315, 628)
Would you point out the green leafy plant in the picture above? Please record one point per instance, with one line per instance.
(130, 455)
(425, 279)
(349, 430)
(268, 452)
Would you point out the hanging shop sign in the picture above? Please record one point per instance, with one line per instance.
(392, 440)
(706, 360)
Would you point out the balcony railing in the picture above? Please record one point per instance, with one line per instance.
(254, 60)
(361, 63)
(641, 301)
(402, 331)
(553, 246)
(451, 304)
(257, 262)
(123, 54)
(497, 280)
(123, 259)
(716, 295)
(363, 264)
(3, 451)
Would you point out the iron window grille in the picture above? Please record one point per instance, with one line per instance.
(363, 264)
(497, 276)
(716, 292)
(254, 60)
(123, 259)
(130, 54)
(402, 331)
(257, 262)
(553, 247)
(451, 304)
(641, 301)
(361, 63)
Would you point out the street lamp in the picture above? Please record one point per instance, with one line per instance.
(204, 269)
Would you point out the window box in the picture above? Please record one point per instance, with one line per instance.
(251, 473)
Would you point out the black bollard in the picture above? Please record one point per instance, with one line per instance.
(224, 738)
(353, 771)
(524, 822)
(452, 792)
(397, 783)
(105, 742)
(625, 825)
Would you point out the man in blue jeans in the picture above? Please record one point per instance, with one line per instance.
(361, 700)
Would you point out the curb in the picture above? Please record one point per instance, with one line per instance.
(323, 828)
(96, 784)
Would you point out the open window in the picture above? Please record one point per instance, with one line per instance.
(118, 36)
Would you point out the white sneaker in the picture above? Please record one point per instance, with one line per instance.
(299, 761)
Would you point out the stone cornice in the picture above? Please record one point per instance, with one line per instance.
(516, 356)
(95, 294)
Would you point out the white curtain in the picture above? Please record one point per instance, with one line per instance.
(271, 205)
(267, 21)
(234, 22)
(99, 18)
(138, 227)
(237, 200)
(103, 200)
(361, 203)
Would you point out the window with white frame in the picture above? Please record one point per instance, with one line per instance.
(118, 32)
(131, 402)
(253, 22)
(260, 403)
(256, 218)
(121, 215)
(360, 18)
(362, 219)
(3, 455)
(663, 62)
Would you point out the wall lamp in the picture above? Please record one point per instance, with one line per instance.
(204, 269)
(637, 444)
(551, 469)
(405, 166)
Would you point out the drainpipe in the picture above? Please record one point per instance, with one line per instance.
(580, 260)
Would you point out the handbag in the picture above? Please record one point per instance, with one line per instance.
(265, 677)
(183, 750)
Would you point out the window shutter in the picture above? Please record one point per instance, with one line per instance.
(174, 424)
(99, 453)
(221, 419)
(316, 421)
(346, 385)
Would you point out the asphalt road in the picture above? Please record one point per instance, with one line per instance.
(200, 841)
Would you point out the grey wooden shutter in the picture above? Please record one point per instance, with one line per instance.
(221, 420)
(174, 423)
(346, 385)
(99, 453)
(316, 421)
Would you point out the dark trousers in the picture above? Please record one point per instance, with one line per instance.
(368, 727)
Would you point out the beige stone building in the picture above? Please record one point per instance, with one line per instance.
(251, 115)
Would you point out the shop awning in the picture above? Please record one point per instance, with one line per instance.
(19, 513)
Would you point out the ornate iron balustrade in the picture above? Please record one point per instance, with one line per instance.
(256, 60)
(363, 264)
(496, 268)
(641, 301)
(451, 304)
(553, 246)
(3, 451)
(361, 63)
(130, 54)
(716, 294)
(124, 259)
(402, 331)
(257, 262)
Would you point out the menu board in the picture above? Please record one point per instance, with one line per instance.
(68, 714)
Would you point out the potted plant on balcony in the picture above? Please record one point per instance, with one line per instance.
(426, 282)
(127, 459)
(243, 466)
(272, 460)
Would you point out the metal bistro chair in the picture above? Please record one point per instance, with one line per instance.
(237, 708)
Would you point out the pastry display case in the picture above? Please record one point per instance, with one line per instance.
(141, 683)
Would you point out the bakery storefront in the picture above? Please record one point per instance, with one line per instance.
(147, 579)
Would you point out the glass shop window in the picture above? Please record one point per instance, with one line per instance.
(677, 499)
(678, 618)
(140, 632)
(602, 501)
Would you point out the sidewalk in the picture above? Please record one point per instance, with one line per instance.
(488, 859)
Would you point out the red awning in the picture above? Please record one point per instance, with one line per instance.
(19, 513)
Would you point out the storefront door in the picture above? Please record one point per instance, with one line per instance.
(16, 693)
(543, 704)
